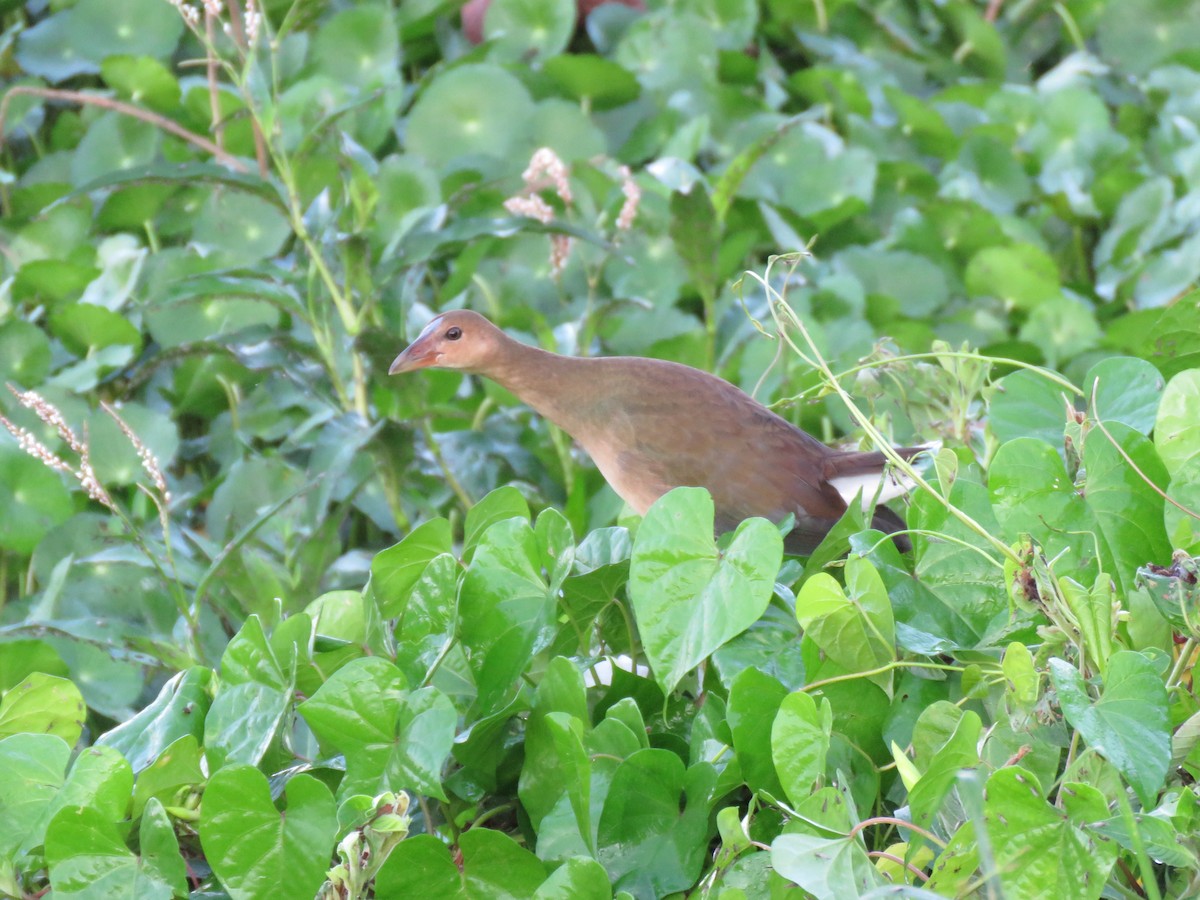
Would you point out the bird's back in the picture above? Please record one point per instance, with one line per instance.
(652, 425)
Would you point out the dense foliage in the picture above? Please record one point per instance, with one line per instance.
(273, 623)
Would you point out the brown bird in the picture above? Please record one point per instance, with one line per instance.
(652, 425)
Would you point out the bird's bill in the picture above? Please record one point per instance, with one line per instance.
(412, 359)
(420, 355)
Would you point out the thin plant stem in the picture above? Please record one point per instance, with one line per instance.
(126, 109)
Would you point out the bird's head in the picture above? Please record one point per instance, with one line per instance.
(461, 339)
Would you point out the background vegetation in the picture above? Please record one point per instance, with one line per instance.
(220, 223)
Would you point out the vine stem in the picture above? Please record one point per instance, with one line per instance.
(127, 109)
(895, 664)
(899, 823)
(1181, 663)
(891, 857)
(779, 308)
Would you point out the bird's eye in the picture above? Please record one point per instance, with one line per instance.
(453, 334)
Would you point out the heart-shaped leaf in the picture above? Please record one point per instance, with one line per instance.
(257, 851)
(392, 738)
(689, 598)
(1128, 725)
(1039, 850)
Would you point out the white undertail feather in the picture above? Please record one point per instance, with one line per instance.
(879, 487)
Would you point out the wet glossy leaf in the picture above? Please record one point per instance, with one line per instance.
(493, 865)
(654, 821)
(1037, 847)
(393, 738)
(254, 849)
(689, 598)
(853, 627)
(179, 710)
(43, 704)
(1128, 724)
(799, 744)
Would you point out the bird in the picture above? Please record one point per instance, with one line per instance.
(651, 425)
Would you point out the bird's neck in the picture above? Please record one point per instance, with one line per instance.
(557, 387)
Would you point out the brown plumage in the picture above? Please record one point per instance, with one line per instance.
(652, 425)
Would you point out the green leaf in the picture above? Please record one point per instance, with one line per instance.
(771, 645)
(1183, 527)
(426, 624)
(1127, 509)
(114, 143)
(396, 570)
(957, 749)
(810, 172)
(529, 30)
(493, 865)
(190, 174)
(249, 709)
(1156, 836)
(359, 46)
(101, 780)
(179, 709)
(979, 44)
(505, 609)
(177, 769)
(502, 503)
(754, 700)
(1127, 390)
(1141, 34)
(567, 734)
(1039, 851)
(78, 38)
(1030, 490)
(1027, 404)
(1128, 725)
(32, 770)
(43, 704)
(87, 856)
(584, 76)
(727, 186)
(695, 232)
(474, 108)
(33, 498)
(799, 744)
(24, 353)
(825, 867)
(688, 598)
(241, 228)
(654, 824)
(1177, 428)
(579, 878)
(556, 546)
(115, 458)
(136, 28)
(1168, 337)
(143, 80)
(53, 281)
(916, 284)
(1022, 679)
(853, 627)
(159, 848)
(1174, 592)
(258, 852)
(393, 739)
(1020, 275)
(545, 775)
(22, 658)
